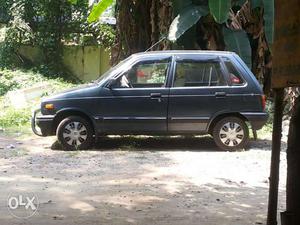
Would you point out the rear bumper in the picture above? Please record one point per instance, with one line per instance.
(257, 119)
(44, 122)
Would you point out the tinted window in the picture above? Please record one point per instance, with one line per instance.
(145, 74)
(234, 75)
(198, 74)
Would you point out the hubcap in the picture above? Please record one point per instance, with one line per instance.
(75, 133)
(231, 134)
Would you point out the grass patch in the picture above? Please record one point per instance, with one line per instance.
(12, 119)
(11, 80)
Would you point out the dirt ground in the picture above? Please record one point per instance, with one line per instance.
(139, 181)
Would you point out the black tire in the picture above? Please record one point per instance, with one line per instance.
(75, 133)
(231, 134)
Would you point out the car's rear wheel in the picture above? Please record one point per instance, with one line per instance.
(231, 133)
(75, 133)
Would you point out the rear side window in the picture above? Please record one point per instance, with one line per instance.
(234, 75)
(198, 74)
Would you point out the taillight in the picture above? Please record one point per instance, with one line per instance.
(263, 101)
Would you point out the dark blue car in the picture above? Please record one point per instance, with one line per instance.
(160, 93)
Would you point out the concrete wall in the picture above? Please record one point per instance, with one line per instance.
(85, 62)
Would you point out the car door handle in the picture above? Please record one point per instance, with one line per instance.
(155, 95)
(220, 94)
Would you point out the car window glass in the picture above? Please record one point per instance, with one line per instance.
(145, 74)
(198, 74)
(234, 75)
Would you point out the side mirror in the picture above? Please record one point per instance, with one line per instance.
(111, 83)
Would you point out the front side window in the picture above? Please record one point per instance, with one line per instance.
(145, 74)
(198, 74)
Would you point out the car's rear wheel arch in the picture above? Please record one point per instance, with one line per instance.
(67, 113)
(215, 120)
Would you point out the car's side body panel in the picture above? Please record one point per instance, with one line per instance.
(127, 110)
(161, 110)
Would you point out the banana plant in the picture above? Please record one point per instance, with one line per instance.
(98, 9)
(236, 41)
(269, 19)
(220, 9)
(185, 20)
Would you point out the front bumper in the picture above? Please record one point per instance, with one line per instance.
(256, 119)
(44, 122)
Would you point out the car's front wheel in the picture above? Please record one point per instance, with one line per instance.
(75, 133)
(231, 133)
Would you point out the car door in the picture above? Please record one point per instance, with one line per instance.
(138, 102)
(198, 93)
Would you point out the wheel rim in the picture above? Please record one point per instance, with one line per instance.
(231, 134)
(75, 133)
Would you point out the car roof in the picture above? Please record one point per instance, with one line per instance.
(184, 52)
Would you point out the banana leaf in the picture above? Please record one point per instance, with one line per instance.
(179, 5)
(238, 2)
(257, 3)
(238, 42)
(98, 9)
(269, 20)
(74, 2)
(219, 9)
(185, 20)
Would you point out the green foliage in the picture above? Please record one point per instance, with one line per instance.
(106, 35)
(11, 117)
(219, 9)
(4, 8)
(49, 25)
(237, 41)
(185, 20)
(15, 79)
(6, 83)
(101, 34)
(98, 9)
(17, 27)
(73, 1)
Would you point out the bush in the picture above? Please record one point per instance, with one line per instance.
(15, 79)
(7, 83)
(10, 117)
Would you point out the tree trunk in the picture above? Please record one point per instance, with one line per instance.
(275, 157)
(292, 216)
(140, 24)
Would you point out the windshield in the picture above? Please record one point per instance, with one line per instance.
(115, 68)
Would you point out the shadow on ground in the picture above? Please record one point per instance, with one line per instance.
(166, 143)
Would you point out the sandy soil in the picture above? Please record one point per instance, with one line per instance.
(139, 181)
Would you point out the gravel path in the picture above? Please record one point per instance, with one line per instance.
(139, 181)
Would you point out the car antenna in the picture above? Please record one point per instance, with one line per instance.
(163, 38)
